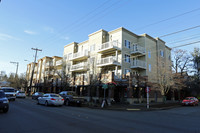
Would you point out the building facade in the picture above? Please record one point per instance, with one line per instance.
(119, 57)
(47, 71)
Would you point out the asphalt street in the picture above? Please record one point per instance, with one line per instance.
(25, 116)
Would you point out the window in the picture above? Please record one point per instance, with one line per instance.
(169, 57)
(149, 67)
(127, 58)
(149, 54)
(92, 48)
(127, 44)
(127, 71)
(161, 53)
(70, 55)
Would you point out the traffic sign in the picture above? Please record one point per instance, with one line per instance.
(105, 86)
(147, 90)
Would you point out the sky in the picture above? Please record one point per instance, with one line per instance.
(50, 25)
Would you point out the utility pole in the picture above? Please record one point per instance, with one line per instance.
(16, 68)
(36, 50)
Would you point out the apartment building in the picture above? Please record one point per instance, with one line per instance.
(46, 73)
(108, 57)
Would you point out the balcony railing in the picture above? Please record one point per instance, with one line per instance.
(138, 64)
(79, 55)
(137, 49)
(107, 61)
(58, 72)
(79, 66)
(108, 45)
(59, 62)
(49, 64)
(48, 73)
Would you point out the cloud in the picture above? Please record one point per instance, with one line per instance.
(30, 32)
(65, 38)
(49, 29)
(7, 37)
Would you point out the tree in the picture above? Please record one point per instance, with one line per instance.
(182, 66)
(165, 78)
(182, 61)
(196, 60)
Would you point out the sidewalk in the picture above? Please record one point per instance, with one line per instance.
(138, 107)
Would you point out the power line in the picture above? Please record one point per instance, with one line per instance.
(168, 19)
(185, 38)
(180, 31)
(96, 16)
(81, 20)
(186, 44)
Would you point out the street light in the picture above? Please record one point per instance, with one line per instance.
(16, 68)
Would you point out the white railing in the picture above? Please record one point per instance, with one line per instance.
(59, 62)
(48, 64)
(34, 76)
(108, 45)
(79, 66)
(107, 60)
(138, 48)
(139, 63)
(79, 54)
(49, 73)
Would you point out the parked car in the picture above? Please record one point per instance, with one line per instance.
(190, 101)
(37, 94)
(9, 92)
(20, 94)
(70, 98)
(51, 99)
(4, 103)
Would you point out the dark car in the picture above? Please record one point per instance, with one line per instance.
(37, 94)
(70, 98)
(4, 103)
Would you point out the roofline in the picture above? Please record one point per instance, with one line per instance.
(83, 42)
(123, 29)
(96, 32)
(70, 44)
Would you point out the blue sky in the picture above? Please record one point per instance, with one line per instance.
(50, 24)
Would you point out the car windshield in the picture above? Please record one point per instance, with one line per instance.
(8, 90)
(2, 94)
(71, 93)
(188, 98)
(53, 95)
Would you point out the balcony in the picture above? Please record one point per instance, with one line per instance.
(79, 67)
(48, 73)
(49, 64)
(59, 72)
(79, 56)
(108, 47)
(138, 50)
(107, 61)
(59, 63)
(138, 64)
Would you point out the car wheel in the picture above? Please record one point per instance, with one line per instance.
(5, 110)
(46, 103)
(67, 102)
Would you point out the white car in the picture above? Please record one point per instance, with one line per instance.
(20, 94)
(9, 92)
(51, 99)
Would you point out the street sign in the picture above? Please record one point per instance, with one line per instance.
(147, 90)
(105, 86)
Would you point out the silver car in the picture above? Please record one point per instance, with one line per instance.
(51, 99)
